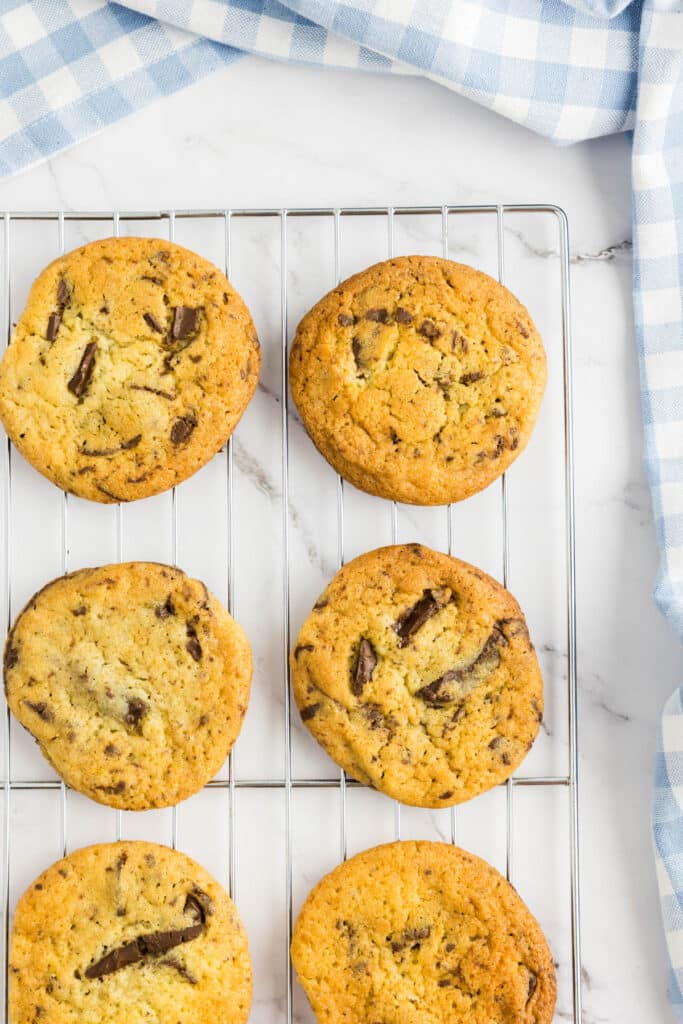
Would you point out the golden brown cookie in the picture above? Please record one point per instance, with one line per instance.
(132, 678)
(416, 674)
(129, 368)
(418, 379)
(421, 933)
(128, 933)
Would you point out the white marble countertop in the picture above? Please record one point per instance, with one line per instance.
(264, 135)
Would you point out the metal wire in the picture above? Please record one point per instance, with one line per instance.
(287, 784)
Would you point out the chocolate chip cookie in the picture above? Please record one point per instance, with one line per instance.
(133, 680)
(416, 674)
(416, 932)
(128, 933)
(129, 368)
(419, 379)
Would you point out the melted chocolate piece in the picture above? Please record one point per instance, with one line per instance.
(137, 709)
(63, 293)
(185, 321)
(414, 618)
(153, 391)
(152, 322)
(302, 647)
(198, 904)
(163, 611)
(428, 329)
(344, 320)
(181, 431)
(378, 316)
(95, 453)
(403, 316)
(53, 325)
(81, 379)
(410, 937)
(470, 378)
(364, 667)
(41, 709)
(357, 350)
(152, 944)
(182, 970)
(193, 646)
(449, 686)
(310, 711)
(11, 657)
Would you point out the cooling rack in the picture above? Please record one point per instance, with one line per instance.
(266, 524)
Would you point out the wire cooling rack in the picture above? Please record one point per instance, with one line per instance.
(266, 524)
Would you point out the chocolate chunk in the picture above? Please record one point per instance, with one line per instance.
(194, 648)
(444, 983)
(153, 391)
(53, 324)
(310, 712)
(414, 618)
(152, 944)
(41, 709)
(500, 447)
(81, 378)
(447, 795)
(125, 446)
(495, 742)
(94, 453)
(410, 937)
(364, 667)
(452, 685)
(152, 322)
(403, 316)
(110, 750)
(198, 904)
(154, 280)
(302, 647)
(11, 657)
(81, 610)
(497, 413)
(459, 340)
(357, 350)
(470, 378)
(180, 968)
(377, 719)
(185, 321)
(378, 316)
(63, 293)
(136, 711)
(533, 983)
(116, 790)
(428, 329)
(522, 329)
(514, 439)
(163, 611)
(344, 320)
(181, 431)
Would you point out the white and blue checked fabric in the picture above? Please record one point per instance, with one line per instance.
(70, 67)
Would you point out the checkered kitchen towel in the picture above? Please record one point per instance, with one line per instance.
(71, 67)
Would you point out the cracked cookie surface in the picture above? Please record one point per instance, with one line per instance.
(133, 679)
(126, 933)
(421, 933)
(416, 673)
(129, 368)
(418, 379)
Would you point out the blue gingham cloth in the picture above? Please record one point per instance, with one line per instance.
(70, 67)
